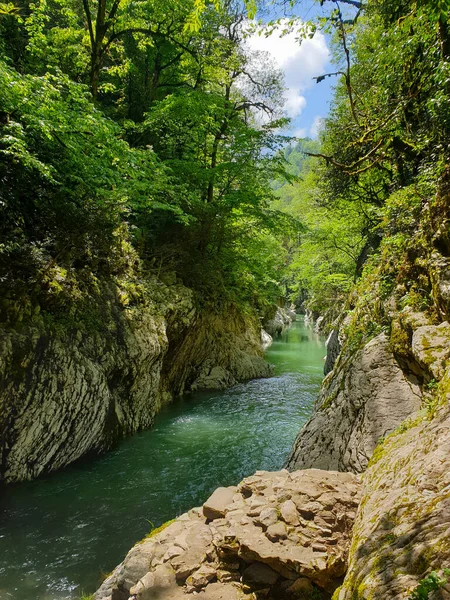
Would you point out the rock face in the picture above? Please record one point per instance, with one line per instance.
(280, 322)
(365, 397)
(266, 339)
(67, 391)
(277, 535)
(217, 351)
(333, 345)
(402, 529)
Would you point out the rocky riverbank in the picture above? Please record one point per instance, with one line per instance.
(276, 535)
(379, 528)
(76, 385)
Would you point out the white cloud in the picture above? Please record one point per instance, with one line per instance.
(294, 103)
(300, 133)
(300, 62)
(316, 126)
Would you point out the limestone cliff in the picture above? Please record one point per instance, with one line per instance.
(364, 398)
(71, 385)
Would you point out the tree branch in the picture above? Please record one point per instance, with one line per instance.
(89, 21)
(348, 169)
(348, 82)
(354, 3)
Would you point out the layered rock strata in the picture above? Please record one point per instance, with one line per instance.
(68, 390)
(277, 535)
(364, 398)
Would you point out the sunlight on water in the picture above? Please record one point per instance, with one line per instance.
(59, 534)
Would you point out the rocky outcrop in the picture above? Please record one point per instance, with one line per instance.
(366, 396)
(69, 389)
(333, 346)
(278, 535)
(218, 350)
(282, 319)
(266, 340)
(402, 529)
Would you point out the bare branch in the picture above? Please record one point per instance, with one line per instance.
(322, 77)
(87, 12)
(348, 169)
(354, 3)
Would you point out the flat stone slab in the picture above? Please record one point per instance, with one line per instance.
(214, 507)
(276, 535)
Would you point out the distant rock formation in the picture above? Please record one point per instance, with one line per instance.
(282, 319)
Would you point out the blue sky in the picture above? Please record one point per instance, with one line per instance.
(306, 102)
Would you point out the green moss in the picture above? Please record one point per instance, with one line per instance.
(399, 339)
(335, 596)
(329, 400)
(157, 530)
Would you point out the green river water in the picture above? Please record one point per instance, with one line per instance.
(60, 534)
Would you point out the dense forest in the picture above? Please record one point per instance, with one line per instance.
(146, 136)
(136, 136)
(156, 216)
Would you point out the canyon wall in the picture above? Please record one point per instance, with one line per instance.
(72, 386)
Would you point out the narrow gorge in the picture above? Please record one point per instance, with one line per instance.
(225, 300)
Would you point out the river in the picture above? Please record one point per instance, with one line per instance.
(61, 534)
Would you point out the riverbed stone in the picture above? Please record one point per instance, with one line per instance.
(239, 553)
(214, 507)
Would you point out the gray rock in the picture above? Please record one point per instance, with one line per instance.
(431, 348)
(366, 397)
(333, 346)
(402, 528)
(67, 391)
(266, 340)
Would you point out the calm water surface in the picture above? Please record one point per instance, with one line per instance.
(59, 534)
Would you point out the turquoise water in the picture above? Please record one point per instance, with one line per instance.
(59, 534)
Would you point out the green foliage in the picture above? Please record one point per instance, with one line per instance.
(323, 257)
(171, 157)
(433, 581)
(68, 182)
